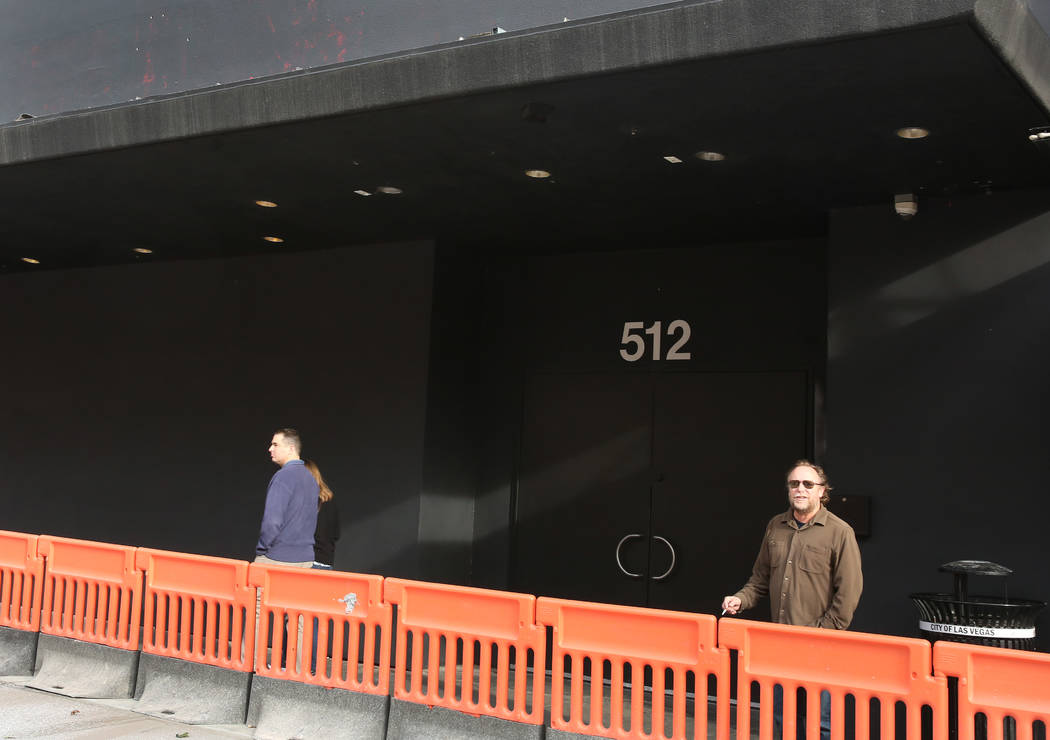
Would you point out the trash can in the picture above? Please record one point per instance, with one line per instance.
(977, 620)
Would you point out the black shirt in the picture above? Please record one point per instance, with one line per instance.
(327, 532)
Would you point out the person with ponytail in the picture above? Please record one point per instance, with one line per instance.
(325, 535)
(327, 531)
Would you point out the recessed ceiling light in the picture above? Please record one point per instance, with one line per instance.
(673, 159)
(142, 250)
(710, 156)
(362, 192)
(274, 239)
(266, 203)
(539, 174)
(31, 260)
(389, 190)
(913, 132)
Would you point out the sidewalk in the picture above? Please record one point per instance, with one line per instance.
(29, 713)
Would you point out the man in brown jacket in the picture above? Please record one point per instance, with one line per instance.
(809, 564)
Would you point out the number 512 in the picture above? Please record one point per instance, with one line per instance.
(633, 340)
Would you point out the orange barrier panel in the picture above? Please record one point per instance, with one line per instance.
(326, 627)
(997, 683)
(454, 636)
(92, 592)
(888, 670)
(638, 651)
(21, 581)
(198, 608)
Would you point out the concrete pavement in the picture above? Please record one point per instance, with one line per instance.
(30, 713)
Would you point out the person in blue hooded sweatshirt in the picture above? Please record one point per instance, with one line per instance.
(286, 536)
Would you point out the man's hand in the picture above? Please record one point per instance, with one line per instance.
(731, 604)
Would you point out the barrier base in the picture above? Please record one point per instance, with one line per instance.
(17, 652)
(553, 734)
(282, 709)
(191, 693)
(84, 670)
(411, 721)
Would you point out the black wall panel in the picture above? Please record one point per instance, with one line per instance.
(138, 401)
(938, 400)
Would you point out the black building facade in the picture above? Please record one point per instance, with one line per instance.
(586, 384)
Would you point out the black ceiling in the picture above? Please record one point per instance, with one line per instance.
(804, 129)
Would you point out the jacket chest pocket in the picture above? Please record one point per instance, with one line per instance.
(814, 559)
(776, 552)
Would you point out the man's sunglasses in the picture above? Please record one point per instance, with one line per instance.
(807, 483)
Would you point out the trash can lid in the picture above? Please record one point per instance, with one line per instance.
(976, 567)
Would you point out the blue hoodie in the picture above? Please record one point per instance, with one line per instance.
(290, 516)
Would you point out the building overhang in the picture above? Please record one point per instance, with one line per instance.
(804, 101)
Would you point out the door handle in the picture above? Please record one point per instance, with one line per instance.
(620, 564)
(673, 559)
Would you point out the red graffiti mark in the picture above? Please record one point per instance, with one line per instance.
(148, 77)
(270, 21)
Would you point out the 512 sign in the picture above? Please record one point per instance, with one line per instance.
(634, 345)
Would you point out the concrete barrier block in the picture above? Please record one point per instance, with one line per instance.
(17, 652)
(83, 669)
(191, 693)
(287, 709)
(553, 734)
(411, 721)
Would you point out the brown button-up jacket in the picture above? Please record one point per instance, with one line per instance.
(812, 574)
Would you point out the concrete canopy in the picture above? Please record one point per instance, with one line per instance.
(804, 100)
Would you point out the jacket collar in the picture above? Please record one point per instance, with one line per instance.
(821, 517)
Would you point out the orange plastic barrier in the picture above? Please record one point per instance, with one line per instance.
(997, 683)
(890, 670)
(198, 608)
(326, 627)
(21, 581)
(449, 639)
(642, 651)
(92, 592)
